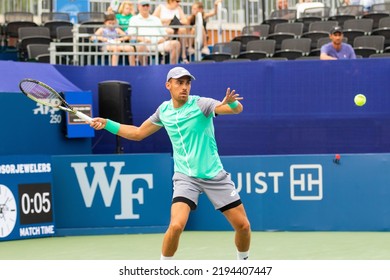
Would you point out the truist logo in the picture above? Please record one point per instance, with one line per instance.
(100, 180)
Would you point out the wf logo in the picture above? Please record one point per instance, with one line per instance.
(306, 182)
(126, 181)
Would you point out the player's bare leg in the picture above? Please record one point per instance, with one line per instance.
(238, 219)
(179, 217)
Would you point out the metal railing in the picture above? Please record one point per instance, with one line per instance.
(90, 53)
(84, 51)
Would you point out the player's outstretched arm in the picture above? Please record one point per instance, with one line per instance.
(130, 132)
(230, 104)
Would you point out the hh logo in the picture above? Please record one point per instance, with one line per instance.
(306, 182)
(88, 189)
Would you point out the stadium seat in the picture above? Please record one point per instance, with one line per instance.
(54, 16)
(313, 14)
(354, 10)
(368, 45)
(319, 29)
(18, 16)
(38, 52)
(245, 39)
(284, 31)
(52, 25)
(294, 48)
(11, 34)
(90, 17)
(357, 27)
(31, 35)
(376, 16)
(383, 29)
(272, 22)
(224, 51)
(259, 49)
(261, 30)
(380, 55)
(289, 14)
(381, 7)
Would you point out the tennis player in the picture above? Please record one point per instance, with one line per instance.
(188, 120)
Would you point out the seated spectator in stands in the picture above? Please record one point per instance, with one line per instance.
(336, 49)
(196, 8)
(171, 13)
(282, 4)
(114, 37)
(144, 28)
(125, 12)
(367, 4)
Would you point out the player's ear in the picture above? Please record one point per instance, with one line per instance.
(168, 85)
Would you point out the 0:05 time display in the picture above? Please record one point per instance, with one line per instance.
(35, 203)
(40, 202)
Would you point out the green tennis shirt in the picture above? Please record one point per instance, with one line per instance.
(191, 131)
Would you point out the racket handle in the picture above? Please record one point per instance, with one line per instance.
(83, 117)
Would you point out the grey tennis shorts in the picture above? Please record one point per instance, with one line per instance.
(220, 190)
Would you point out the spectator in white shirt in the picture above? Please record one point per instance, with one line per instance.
(145, 28)
(170, 13)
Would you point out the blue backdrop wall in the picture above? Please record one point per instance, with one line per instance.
(291, 107)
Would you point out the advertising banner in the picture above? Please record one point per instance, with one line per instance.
(73, 7)
(76, 127)
(123, 193)
(306, 192)
(26, 197)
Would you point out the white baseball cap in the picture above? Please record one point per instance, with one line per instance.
(144, 2)
(178, 72)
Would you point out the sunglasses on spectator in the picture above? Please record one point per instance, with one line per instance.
(145, 5)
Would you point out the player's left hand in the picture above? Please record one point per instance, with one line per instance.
(231, 96)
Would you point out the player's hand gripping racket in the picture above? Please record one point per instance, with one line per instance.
(45, 95)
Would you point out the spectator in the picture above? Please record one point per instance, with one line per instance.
(282, 4)
(367, 4)
(144, 27)
(196, 8)
(125, 12)
(110, 10)
(172, 14)
(336, 49)
(114, 37)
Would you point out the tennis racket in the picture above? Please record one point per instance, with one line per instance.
(43, 94)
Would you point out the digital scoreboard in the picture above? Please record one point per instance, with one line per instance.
(26, 198)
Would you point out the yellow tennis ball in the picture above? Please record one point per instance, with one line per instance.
(360, 99)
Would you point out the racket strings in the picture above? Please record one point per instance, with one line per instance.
(41, 93)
